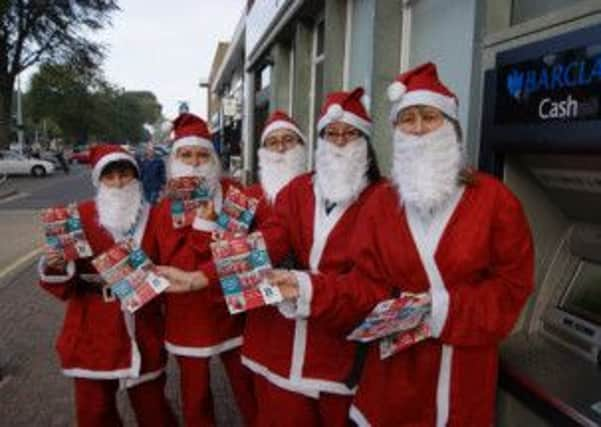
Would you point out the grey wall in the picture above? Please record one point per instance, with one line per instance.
(445, 33)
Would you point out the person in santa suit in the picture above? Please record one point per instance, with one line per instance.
(198, 324)
(282, 157)
(101, 346)
(441, 228)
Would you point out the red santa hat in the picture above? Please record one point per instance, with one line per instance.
(345, 107)
(421, 86)
(190, 131)
(280, 120)
(103, 154)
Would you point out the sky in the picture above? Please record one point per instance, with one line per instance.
(167, 47)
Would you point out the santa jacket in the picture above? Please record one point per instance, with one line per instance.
(98, 339)
(304, 356)
(476, 258)
(198, 324)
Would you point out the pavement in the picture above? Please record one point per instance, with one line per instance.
(33, 392)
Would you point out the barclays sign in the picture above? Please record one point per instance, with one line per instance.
(558, 86)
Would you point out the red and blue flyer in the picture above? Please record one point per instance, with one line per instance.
(130, 274)
(64, 233)
(242, 264)
(394, 316)
(187, 193)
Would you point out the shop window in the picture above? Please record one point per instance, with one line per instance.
(525, 10)
(317, 62)
(360, 35)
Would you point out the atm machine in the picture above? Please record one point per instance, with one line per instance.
(541, 134)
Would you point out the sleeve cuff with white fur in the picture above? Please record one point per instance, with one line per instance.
(440, 311)
(55, 278)
(301, 306)
(201, 224)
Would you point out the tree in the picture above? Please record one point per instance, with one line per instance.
(85, 106)
(32, 31)
(64, 93)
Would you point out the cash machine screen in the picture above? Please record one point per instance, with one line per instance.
(583, 298)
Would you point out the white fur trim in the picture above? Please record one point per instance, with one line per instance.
(148, 376)
(322, 226)
(97, 375)
(357, 416)
(395, 91)
(443, 390)
(191, 141)
(139, 233)
(109, 158)
(55, 279)
(281, 124)
(346, 117)
(287, 308)
(203, 351)
(278, 380)
(335, 112)
(446, 104)
(202, 224)
(326, 386)
(305, 294)
(136, 357)
(299, 349)
(300, 308)
(427, 241)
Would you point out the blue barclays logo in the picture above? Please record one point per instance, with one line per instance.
(515, 83)
(559, 76)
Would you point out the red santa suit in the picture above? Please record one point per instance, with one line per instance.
(301, 365)
(99, 340)
(482, 276)
(198, 324)
(473, 254)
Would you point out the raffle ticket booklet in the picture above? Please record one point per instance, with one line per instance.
(64, 233)
(399, 323)
(242, 263)
(130, 274)
(237, 212)
(186, 194)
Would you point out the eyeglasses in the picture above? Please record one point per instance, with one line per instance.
(285, 142)
(347, 136)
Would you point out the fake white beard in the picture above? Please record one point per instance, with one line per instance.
(118, 207)
(210, 171)
(341, 172)
(426, 168)
(278, 169)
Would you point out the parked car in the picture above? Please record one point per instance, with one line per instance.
(12, 163)
(81, 157)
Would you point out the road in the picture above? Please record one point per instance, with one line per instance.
(33, 392)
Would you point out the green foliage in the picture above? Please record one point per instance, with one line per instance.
(35, 31)
(86, 107)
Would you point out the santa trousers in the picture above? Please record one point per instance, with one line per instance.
(197, 400)
(277, 407)
(96, 405)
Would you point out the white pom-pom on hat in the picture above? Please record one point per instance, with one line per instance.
(395, 91)
(335, 112)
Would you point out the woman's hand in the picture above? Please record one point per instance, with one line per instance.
(182, 281)
(286, 281)
(55, 260)
(206, 211)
